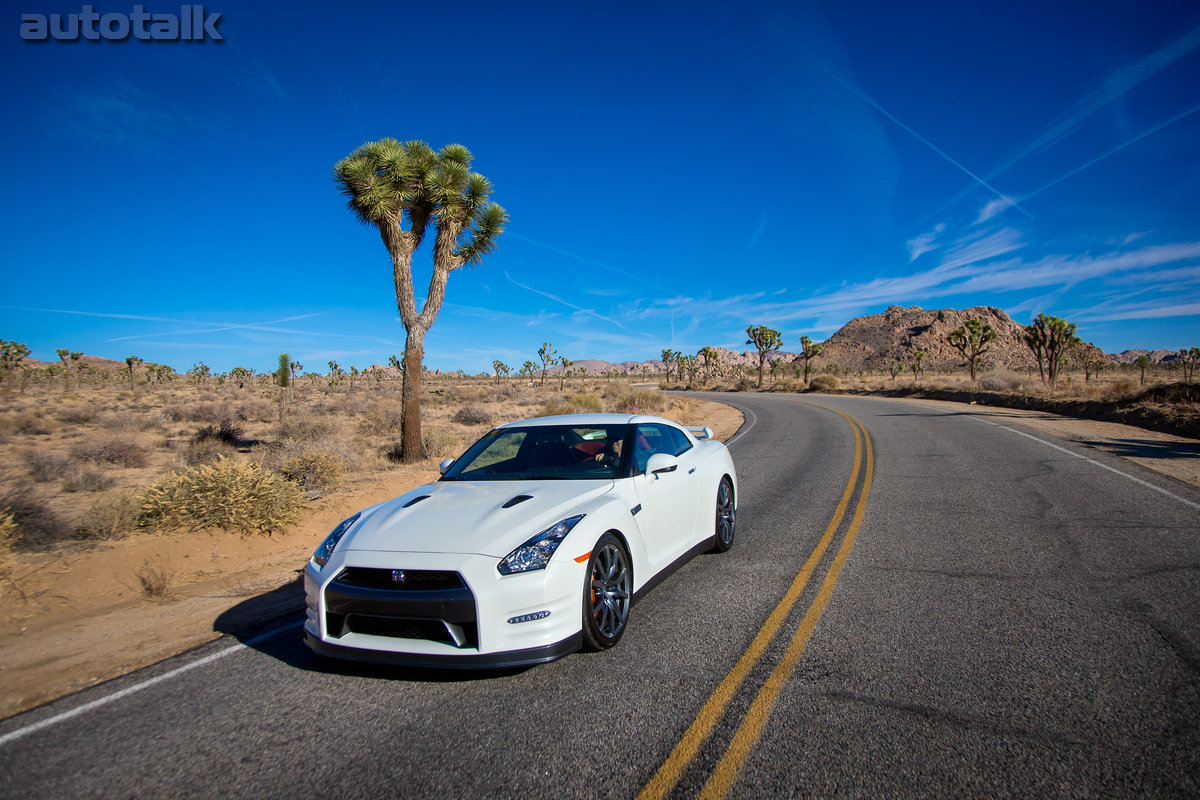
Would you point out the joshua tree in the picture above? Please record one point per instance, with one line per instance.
(403, 189)
(894, 368)
(285, 374)
(808, 351)
(241, 375)
(527, 369)
(1189, 358)
(1049, 338)
(972, 341)
(130, 363)
(354, 373)
(501, 369)
(915, 365)
(335, 374)
(668, 357)
(199, 372)
(712, 361)
(549, 358)
(766, 341)
(562, 377)
(64, 354)
(1092, 364)
(1143, 363)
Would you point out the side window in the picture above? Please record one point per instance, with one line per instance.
(682, 445)
(656, 438)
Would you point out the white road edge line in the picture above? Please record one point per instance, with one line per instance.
(137, 687)
(1139, 481)
(753, 422)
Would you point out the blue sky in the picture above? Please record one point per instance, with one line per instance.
(673, 173)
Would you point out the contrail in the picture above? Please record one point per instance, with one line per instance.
(580, 309)
(1116, 149)
(637, 278)
(871, 102)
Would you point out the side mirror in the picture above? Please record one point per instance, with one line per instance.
(445, 464)
(660, 464)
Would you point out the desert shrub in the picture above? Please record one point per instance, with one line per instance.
(440, 443)
(256, 409)
(225, 494)
(316, 471)
(226, 431)
(552, 408)
(158, 582)
(999, 383)
(381, 419)
(472, 415)
(198, 412)
(45, 466)
(77, 414)
(109, 518)
(85, 478)
(29, 423)
(641, 401)
(824, 383)
(1122, 388)
(206, 451)
(37, 526)
(121, 452)
(586, 402)
(394, 452)
(304, 428)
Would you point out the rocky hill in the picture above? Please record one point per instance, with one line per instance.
(1156, 356)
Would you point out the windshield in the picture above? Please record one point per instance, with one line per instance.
(543, 452)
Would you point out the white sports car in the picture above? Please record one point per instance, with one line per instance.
(534, 543)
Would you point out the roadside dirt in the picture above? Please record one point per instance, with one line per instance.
(80, 617)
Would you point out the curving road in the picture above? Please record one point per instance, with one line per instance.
(920, 603)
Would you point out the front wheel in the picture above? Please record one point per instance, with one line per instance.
(726, 518)
(607, 594)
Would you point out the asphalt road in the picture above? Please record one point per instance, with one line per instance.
(994, 614)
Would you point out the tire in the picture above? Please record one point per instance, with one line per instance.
(725, 526)
(607, 594)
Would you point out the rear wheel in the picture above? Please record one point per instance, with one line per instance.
(607, 594)
(726, 518)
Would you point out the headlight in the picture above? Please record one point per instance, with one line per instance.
(322, 553)
(535, 553)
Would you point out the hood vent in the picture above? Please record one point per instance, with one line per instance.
(415, 500)
(521, 498)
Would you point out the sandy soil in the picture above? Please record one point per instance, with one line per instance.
(85, 617)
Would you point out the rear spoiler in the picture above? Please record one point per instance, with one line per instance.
(700, 433)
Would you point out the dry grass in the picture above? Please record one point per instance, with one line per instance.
(158, 582)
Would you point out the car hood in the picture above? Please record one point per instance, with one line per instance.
(470, 517)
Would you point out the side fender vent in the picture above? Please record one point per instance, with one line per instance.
(521, 498)
(415, 500)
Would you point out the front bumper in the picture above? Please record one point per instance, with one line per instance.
(446, 610)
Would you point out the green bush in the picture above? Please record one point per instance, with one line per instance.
(225, 494)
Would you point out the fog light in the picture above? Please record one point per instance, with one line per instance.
(528, 617)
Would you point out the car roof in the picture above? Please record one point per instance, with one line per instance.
(587, 419)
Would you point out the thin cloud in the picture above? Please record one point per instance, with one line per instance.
(553, 249)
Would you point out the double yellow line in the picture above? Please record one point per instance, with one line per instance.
(751, 727)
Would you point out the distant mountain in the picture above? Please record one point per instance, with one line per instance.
(1156, 356)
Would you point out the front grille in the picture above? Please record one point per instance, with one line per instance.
(408, 579)
(432, 605)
